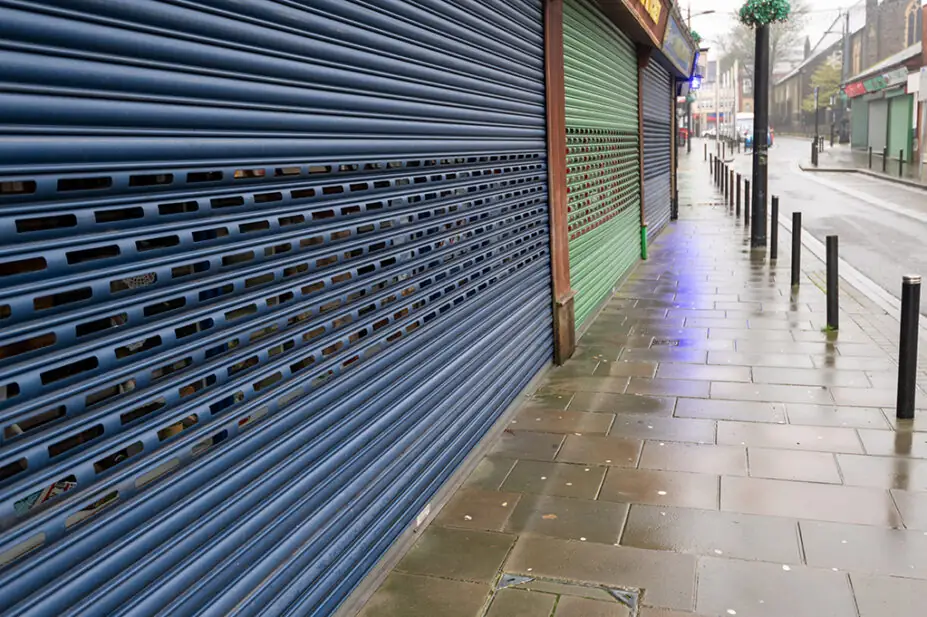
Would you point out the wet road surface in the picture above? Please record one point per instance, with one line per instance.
(882, 225)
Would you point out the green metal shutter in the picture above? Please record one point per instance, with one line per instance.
(901, 119)
(860, 122)
(603, 153)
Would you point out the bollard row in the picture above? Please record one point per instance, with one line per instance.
(906, 402)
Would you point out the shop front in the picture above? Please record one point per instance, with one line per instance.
(665, 75)
(883, 107)
(603, 127)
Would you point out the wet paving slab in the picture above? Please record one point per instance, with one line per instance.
(581, 520)
(595, 450)
(789, 437)
(712, 533)
(704, 372)
(894, 443)
(879, 596)
(793, 465)
(561, 479)
(669, 488)
(426, 596)
(807, 500)
(883, 472)
(668, 578)
(746, 411)
(660, 406)
(730, 587)
(528, 445)
(708, 450)
(664, 429)
(913, 508)
(548, 421)
(586, 383)
(721, 460)
(829, 415)
(859, 548)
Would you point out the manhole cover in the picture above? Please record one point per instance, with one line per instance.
(665, 342)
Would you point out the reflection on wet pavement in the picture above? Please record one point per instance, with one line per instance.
(708, 447)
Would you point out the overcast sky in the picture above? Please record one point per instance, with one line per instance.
(823, 13)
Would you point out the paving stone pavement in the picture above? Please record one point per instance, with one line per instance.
(709, 451)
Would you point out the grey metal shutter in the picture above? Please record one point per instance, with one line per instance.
(878, 125)
(658, 132)
(268, 271)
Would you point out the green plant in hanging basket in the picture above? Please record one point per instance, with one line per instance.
(764, 12)
(696, 37)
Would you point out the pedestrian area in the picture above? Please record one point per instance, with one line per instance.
(710, 450)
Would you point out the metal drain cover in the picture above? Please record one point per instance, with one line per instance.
(510, 580)
(629, 597)
(665, 342)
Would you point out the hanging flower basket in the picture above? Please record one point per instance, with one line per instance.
(764, 12)
(696, 37)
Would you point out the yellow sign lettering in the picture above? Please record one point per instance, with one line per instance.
(654, 8)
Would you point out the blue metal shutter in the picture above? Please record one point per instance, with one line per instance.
(657, 96)
(268, 272)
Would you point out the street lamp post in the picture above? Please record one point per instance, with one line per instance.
(688, 97)
(817, 115)
(760, 138)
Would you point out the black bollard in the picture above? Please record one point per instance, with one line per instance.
(907, 348)
(901, 163)
(739, 184)
(724, 182)
(885, 159)
(870, 157)
(774, 229)
(746, 203)
(711, 166)
(814, 153)
(833, 298)
(796, 249)
(730, 200)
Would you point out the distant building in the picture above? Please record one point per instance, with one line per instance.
(882, 80)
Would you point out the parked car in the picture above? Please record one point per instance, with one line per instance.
(710, 133)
